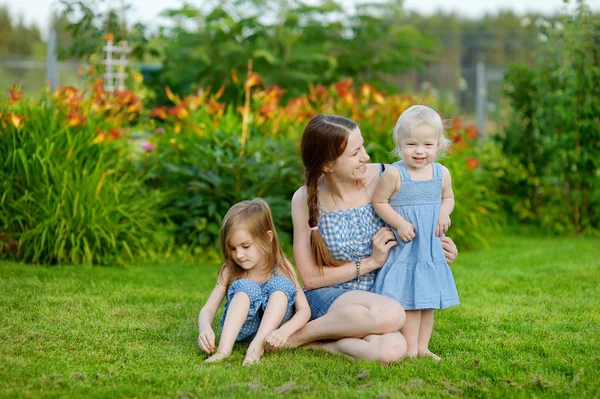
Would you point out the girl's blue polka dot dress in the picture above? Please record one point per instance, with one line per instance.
(259, 295)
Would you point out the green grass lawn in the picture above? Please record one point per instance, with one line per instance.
(528, 325)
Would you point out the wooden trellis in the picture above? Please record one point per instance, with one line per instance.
(115, 64)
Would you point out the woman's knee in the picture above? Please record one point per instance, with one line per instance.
(392, 349)
(389, 316)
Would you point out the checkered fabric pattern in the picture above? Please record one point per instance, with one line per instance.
(348, 235)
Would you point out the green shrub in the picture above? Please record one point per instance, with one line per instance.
(207, 174)
(65, 198)
(555, 133)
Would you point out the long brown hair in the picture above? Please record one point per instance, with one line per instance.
(255, 217)
(323, 141)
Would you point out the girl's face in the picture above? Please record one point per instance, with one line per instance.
(352, 164)
(244, 250)
(420, 147)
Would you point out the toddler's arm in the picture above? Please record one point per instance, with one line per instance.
(388, 185)
(447, 205)
(206, 337)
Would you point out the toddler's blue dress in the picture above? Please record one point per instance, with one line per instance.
(416, 273)
(259, 295)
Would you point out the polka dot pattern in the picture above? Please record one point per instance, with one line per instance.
(259, 295)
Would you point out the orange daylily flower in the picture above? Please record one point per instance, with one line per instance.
(472, 163)
(253, 80)
(179, 111)
(75, 119)
(472, 132)
(15, 95)
(379, 99)
(343, 87)
(174, 99)
(219, 93)
(109, 37)
(159, 112)
(234, 76)
(17, 119)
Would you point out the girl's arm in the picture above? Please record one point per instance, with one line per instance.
(279, 337)
(206, 337)
(447, 205)
(309, 271)
(388, 185)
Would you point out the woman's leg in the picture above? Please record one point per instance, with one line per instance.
(411, 331)
(425, 334)
(274, 312)
(354, 314)
(234, 320)
(386, 348)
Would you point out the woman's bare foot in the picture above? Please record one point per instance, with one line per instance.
(217, 357)
(254, 353)
(428, 353)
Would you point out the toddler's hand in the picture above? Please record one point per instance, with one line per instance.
(206, 340)
(277, 338)
(406, 231)
(443, 225)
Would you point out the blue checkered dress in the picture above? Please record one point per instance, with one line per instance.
(348, 234)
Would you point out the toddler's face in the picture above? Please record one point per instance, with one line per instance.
(243, 249)
(420, 147)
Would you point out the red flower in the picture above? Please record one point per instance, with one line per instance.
(472, 163)
(160, 113)
(15, 95)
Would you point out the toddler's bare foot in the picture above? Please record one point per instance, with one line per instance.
(428, 353)
(217, 357)
(255, 352)
(410, 355)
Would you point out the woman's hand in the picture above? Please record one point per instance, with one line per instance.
(450, 249)
(383, 240)
(206, 340)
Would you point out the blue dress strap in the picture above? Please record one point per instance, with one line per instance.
(437, 170)
(402, 169)
(381, 169)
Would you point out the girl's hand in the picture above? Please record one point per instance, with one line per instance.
(406, 231)
(443, 225)
(277, 338)
(450, 249)
(383, 240)
(206, 341)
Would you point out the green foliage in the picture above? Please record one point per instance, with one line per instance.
(65, 199)
(208, 174)
(556, 105)
(291, 45)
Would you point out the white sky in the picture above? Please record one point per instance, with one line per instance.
(39, 11)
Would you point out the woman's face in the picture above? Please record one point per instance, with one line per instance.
(352, 164)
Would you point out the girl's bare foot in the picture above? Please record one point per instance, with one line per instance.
(254, 353)
(217, 357)
(428, 353)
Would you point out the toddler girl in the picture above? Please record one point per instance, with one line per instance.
(259, 283)
(415, 198)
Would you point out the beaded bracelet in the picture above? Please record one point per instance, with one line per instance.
(358, 269)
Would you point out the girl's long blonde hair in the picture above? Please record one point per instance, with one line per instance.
(255, 217)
